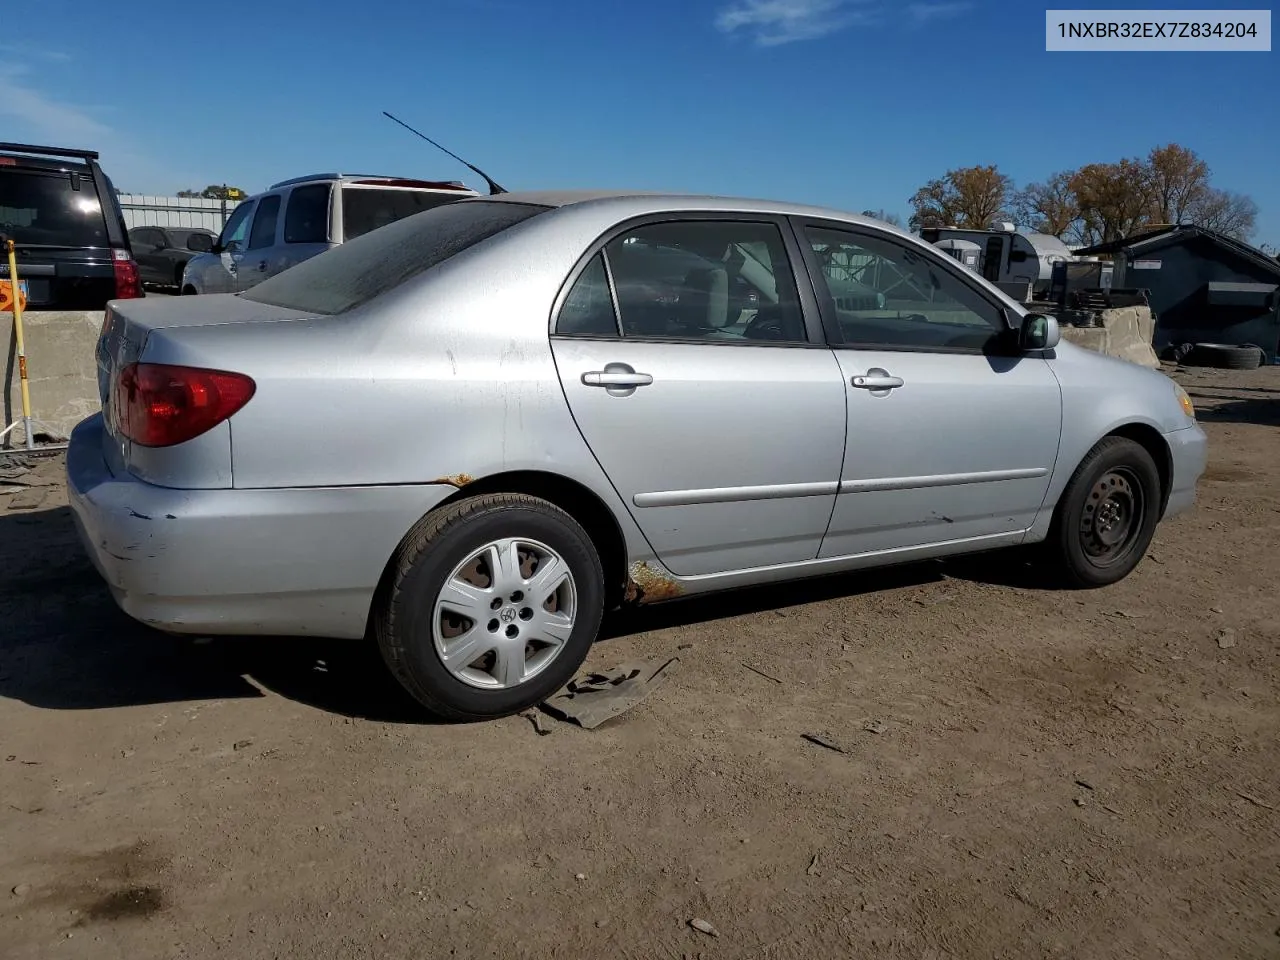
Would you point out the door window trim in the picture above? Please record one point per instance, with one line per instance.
(948, 265)
(809, 306)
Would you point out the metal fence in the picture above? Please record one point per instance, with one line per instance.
(147, 211)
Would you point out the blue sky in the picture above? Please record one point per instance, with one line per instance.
(849, 103)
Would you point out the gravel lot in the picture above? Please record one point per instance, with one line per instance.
(1024, 772)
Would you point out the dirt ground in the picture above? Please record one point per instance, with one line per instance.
(1023, 772)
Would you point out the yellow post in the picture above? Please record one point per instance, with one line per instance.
(17, 336)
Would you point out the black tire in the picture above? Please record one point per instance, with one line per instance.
(1225, 356)
(187, 291)
(178, 271)
(403, 621)
(1115, 471)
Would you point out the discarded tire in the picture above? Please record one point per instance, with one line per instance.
(1225, 356)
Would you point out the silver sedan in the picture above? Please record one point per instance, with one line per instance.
(468, 434)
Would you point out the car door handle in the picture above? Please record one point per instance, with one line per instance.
(876, 382)
(262, 265)
(616, 378)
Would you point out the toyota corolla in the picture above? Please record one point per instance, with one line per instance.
(466, 435)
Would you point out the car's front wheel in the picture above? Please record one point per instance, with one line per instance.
(1107, 514)
(493, 604)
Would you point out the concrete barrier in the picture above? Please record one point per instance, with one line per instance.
(61, 370)
(1126, 332)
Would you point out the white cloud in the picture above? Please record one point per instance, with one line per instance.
(775, 22)
(929, 12)
(44, 115)
(772, 23)
(31, 115)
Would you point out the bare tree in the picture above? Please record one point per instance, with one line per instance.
(1049, 207)
(1232, 214)
(1178, 180)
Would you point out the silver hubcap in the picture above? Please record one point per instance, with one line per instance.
(504, 614)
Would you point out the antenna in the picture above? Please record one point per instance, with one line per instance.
(493, 187)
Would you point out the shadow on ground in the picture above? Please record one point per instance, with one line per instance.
(64, 644)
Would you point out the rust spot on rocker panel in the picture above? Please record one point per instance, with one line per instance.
(458, 480)
(650, 583)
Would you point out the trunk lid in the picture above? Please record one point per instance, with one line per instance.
(128, 323)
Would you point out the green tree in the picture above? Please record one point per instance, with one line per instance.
(216, 191)
(971, 197)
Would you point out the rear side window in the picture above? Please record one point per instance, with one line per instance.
(306, 216)
(43, 209)
(368, 208)
(263, 233)
(355, 272)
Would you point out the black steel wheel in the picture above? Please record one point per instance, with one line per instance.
(1107, 514)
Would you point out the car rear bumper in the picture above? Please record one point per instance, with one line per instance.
(1189, 454)
(298, 561)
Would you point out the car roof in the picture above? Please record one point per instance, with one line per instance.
(47, 158)
(373, 179)
(658, 201)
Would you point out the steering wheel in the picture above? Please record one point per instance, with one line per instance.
(765, 325)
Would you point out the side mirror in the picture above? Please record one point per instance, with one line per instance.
(1039, 331)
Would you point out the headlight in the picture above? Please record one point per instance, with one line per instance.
(1187, 406)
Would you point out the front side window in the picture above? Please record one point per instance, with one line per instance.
(236, 228)
(886, 295)
(263, 233)
(712, 280)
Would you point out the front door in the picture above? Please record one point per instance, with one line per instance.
(218, 274)
(699, 379)
(948, 440)
(262, 241)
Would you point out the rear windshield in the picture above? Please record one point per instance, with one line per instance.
(42, 209)
(367, 208)
(353, 273)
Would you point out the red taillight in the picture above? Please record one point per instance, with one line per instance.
(128, 283)
(159, 405)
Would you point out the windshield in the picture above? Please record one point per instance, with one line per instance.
(367, 208)
(357, 271)
(42, 209)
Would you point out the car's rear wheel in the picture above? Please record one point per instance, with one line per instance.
(1107, 514)
(493, 604)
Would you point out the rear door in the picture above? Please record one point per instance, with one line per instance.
(60, 234)
(263, 236)
(699, 378)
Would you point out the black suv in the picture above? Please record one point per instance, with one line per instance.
(61, 211)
